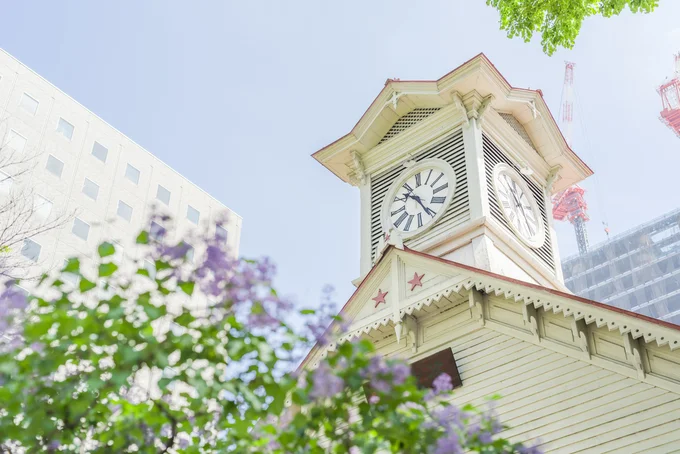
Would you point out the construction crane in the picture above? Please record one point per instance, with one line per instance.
(570, 204)
(670, 99)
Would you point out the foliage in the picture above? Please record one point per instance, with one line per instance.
(559, 21)
(197, 357)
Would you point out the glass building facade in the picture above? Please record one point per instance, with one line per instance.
(638, 270)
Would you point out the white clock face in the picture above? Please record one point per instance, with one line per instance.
(419, 197)
(518, 205)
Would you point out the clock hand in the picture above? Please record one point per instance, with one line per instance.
(427, 210)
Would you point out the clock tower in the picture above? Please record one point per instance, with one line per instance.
(461, 168)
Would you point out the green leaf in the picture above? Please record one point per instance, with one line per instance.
(143, 237)
(107, 269)
(72, 266)
(307, 311)
(86, 285)
(187, 287)
(106, 249)
(153, 312)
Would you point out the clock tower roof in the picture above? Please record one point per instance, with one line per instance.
(400, 97)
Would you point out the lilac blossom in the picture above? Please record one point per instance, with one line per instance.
(532, 449)
(449, 444)
(441, 385)
(383, 375)
(325, 383)
(12, 298)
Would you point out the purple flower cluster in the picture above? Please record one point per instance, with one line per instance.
(240, 286)
(382, 375)
(13, 301)
(325, 383)
(461, 428)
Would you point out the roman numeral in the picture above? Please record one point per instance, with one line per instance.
(438, 200)
(401, 219)
(435, 181)
(417, 179)
(420, 220)
(408, 223)
(440, 188)
(398, 211)
(407, 187)
(505, 203)
(428, 176)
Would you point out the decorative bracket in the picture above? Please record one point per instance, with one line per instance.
(476, 302)
(531, 320)
(458, 101)
(395, 99)
(473, 105)
(553, 176)
(408, 326)
(632, 347)
(486, 101)
(359, 177)
(580, 331)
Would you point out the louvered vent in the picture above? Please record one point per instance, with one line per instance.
(492, 156)
(451, 150)
(415, 116)
(517, 126)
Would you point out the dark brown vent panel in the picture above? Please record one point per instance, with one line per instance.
(427, 370)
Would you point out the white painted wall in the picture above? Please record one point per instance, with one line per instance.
(568, 403)
(79, 163)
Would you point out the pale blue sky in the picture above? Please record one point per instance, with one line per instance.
(237, 95)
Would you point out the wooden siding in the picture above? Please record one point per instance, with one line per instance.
(567, 404)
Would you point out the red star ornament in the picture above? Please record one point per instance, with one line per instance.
(416, 281)
(380, 298)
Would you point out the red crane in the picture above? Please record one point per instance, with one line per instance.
(670, 99)
(570, 204)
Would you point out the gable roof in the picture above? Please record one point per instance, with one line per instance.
(450, 278)
(478, 74)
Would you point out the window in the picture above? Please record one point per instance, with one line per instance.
(190, 252)
(54, 166)
(81, 229)
(157, 231)
(91, 189)
(5, 183)
(65, 129)
(42, 207)
(99, 151)
(163, 195)
(124, 210)
(31, 250)
(16, 141)
(193, 214)
(29, 104)
(221, 233)
(132, 174)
